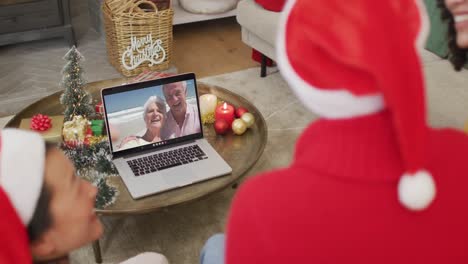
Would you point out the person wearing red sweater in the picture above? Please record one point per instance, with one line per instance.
(370, 181)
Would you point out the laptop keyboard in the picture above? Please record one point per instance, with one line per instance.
(166, 160)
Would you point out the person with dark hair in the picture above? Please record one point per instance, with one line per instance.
(370, 180)
(55, 206)
(455, 12)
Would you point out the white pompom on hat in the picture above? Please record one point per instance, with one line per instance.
(349, 60)
(22, 163)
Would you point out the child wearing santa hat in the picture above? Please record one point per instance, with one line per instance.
(370, 181)
(40, 193)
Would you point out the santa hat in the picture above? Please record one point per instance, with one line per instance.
(14, 243)
(355, 59)
(22, 161)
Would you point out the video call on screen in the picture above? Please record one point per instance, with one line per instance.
(152, 115)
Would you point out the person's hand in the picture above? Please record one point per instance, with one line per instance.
(60, 260)
(114, 132)
(126, 140)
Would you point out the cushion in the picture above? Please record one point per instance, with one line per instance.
(208, 6)
(272, 5)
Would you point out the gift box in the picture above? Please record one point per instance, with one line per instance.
(75, 129)
(97, 126)
(53, 134)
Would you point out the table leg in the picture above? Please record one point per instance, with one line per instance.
(263, 66)
(97, 251)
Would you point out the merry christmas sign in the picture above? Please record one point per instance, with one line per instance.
(141, 50)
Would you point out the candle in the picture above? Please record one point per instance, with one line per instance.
(226, 112)
(208, 104)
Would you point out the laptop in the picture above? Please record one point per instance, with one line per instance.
(157, 146)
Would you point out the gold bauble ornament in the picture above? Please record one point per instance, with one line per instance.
(248, 118)
(93, 140)
(239, 126)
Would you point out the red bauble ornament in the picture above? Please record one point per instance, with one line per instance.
(240, 111)
(71, 143)
(40, 122)
(221, 126)
(89, 132)
(99, 108)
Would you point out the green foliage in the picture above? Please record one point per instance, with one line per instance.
(74, 98)
(103, 158)
(106, 194)
(94, 164)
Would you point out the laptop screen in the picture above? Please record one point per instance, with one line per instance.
(152, 114)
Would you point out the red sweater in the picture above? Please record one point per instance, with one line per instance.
(337, 202)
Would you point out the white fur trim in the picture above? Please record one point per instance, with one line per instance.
(22, 162)
(416, 191)
(333, 104)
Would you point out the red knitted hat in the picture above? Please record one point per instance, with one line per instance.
(346, 60)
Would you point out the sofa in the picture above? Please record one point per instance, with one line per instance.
(259, 28)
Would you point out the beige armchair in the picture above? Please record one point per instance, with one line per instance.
(259, 29)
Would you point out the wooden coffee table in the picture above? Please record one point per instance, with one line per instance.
(240, 152)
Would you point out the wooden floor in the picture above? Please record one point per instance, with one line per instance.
(207, 48)
(210, 48)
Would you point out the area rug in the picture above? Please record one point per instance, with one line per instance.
(180, 231)
(31, 70)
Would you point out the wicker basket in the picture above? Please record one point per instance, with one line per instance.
(138, 36)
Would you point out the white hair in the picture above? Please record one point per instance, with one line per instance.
(184, 84)
(156, 100)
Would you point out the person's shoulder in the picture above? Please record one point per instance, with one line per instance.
(266, 187)
(443, 141)
(193, 108)
(132, 141)
(169, 120)
(448, 150)
(168, 114)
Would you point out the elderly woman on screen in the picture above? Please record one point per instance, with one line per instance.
(154, 116)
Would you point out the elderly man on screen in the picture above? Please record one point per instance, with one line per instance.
(182, 118)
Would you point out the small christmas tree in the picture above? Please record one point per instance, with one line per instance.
(75, 99)
(106, 194)
(93, 163)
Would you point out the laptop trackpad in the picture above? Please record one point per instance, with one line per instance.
(178, 180)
